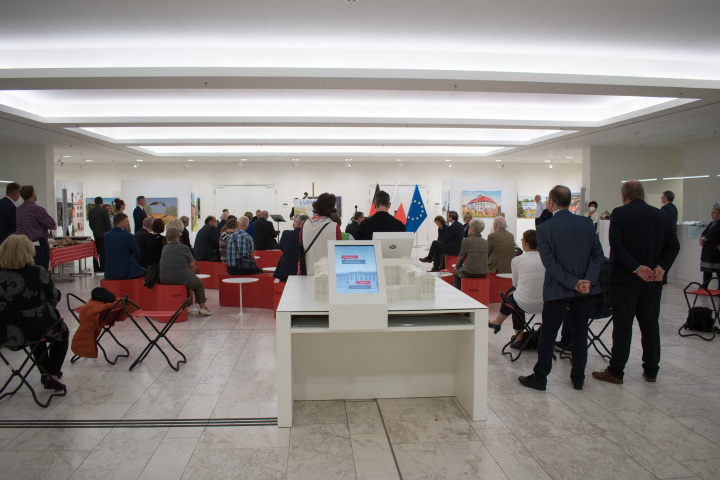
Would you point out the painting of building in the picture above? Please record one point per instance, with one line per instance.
(481, 203)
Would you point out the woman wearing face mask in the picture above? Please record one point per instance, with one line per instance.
(593, 213)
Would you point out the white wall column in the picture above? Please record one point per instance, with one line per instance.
(30, 165)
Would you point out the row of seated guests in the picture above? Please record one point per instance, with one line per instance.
(449, 241)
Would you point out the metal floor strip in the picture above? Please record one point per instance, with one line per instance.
(150, 423)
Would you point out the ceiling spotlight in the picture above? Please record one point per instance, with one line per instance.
(60, 162)
(349, 165)
(134, 165)
(351, 2)
(498, 159)
(67, 156)
(139, 160)
(450, 166)
(295, 160)
(88, 160)
(550, 166)
(293, 165)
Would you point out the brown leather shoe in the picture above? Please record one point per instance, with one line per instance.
(606, 376)
(648, 379)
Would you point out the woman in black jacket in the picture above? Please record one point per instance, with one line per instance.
(710, 243)
(27, 308)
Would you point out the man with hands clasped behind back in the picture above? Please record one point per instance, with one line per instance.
(643, 246)
(572, 256)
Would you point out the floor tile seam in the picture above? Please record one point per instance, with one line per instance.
(387, 436)
(197, 441)
(537, 461)
(347, 422)
(663, 450)
(600, 407)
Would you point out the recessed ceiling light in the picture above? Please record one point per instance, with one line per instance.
(570, 157)
(139, 160)
(67, 156)
(450, 166)
(448, 160)
(88, 160)
(191, 159)
(548, 161)
(550, 166)
(400, 160)
(348, 159)
(498, 159)
(243, 159)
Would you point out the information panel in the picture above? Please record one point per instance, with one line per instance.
(355, 269)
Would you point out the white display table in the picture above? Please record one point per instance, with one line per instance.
(431, 348)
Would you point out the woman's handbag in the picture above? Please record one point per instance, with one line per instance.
(152, 277)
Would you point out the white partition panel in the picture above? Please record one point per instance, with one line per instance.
(245, 198)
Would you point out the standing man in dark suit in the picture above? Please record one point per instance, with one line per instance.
(142, 238)
(99, 220)
(290, 246)
(354, 227)
(139, 213)
(264, 233)
(382, 221)
(669, 208)
(572, 256)
(8, 209)
(643, 246)
(207, 242)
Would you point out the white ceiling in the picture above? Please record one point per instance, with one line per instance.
(322, 80)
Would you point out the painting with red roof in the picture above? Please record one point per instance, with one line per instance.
(481, 203)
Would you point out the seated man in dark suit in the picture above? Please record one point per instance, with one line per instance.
(207, 242)
(382, 221)
(354, 227)
(290, 246)
(449, 245)
(121, 251)
(142, 238)
(264, 233)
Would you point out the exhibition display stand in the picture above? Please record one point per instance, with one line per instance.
(423, 348)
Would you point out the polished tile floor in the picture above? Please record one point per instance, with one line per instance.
(666, 430)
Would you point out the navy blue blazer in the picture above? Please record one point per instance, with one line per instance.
(453, 238)
(7, 218)
(138, 216)
(570, 251)
(290, 246)
(640, 234)
(121, 251)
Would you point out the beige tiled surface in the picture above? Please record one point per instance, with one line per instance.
(667, 430)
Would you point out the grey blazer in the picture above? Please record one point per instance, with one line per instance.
(473, 258)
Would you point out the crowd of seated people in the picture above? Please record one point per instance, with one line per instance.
(241, 251)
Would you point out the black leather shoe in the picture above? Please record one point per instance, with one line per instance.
(43, 377)
(494, 327)
(517, 344)
(531, 382)
(648, 379)
(562, 346)
(52, 384)
(578, 385)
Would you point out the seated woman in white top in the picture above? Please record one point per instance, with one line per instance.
(526, 292)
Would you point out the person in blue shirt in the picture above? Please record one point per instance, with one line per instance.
(241, 251)
(121, 251)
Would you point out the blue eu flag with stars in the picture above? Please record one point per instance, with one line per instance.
(416, 213)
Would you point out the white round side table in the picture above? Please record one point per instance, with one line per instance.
(240, 281)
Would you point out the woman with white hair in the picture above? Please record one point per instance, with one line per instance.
(473, 259)
(182, 224)
(28, 304)
(178, 267)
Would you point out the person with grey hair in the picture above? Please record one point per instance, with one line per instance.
(501, 247)
(290, 246)
(473, 259)
(241, 251)
(178, 267)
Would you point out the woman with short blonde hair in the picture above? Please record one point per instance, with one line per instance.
(28, 308)
(181, 224)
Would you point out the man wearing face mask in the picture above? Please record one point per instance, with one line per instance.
(593, 213)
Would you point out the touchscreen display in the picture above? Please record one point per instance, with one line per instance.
(355, 269)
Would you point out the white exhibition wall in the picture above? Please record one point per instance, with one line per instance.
(353, 184)
(464, 190)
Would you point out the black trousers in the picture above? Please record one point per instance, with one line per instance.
(513, 310)
(99, 263)
(42, 254)
(641, 300)
(52, 362)
(552, 317)
(708, 275)
(437, 253)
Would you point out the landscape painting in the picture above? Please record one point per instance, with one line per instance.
(163, 207)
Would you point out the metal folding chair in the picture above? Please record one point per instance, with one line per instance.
(703, 290)
(108, 321)
(162, 333)
(594, 339)
(529, 330)
(24, 370)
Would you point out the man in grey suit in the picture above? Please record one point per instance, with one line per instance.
(572, 256)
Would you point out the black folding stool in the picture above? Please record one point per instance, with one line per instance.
(162, 333)
(703, 290)
(108, 320)
(24, 371)
(528, 329)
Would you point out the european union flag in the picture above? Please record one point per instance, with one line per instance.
(416, 213)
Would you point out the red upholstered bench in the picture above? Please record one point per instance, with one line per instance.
(119, 288)
(477, 288)
(214, 269)
(164, 298)
(268, 258)
(255, 295)
(450, 260)
(497, 285)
